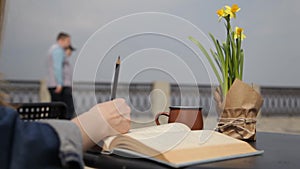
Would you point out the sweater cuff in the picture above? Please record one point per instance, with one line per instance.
(70, 149)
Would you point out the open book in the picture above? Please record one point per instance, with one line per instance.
(174, 144)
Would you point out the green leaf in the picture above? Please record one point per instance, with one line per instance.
(203, 50)
(218, 48)
(216, 59)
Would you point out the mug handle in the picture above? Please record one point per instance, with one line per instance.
(159, 114)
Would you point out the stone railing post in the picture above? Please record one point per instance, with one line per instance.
(43, 92)
(160, 98)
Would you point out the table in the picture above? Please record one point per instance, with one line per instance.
(281, 151)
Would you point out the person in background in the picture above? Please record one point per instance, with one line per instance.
(67, 82)
(56, 143)
(60, 72)
(69, 50)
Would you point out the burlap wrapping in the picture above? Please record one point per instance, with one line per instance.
(239, 110)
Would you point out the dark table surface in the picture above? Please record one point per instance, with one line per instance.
(282, 151)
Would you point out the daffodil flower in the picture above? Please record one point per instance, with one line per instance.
(239, 33)
(231, 11)
(221, 13)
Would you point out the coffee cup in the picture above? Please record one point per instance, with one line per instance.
(189, 115)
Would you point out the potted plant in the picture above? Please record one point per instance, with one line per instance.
(237, 102)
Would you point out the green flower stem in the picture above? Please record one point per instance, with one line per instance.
(238, 52)
(234, 57)
(242, 64)
(226, 75)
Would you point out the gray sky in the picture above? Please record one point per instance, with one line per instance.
(271, 46)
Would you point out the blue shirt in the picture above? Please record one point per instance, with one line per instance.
(56, 58)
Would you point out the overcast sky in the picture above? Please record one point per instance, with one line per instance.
(151, 37)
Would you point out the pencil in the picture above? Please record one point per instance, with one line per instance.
(116, 77)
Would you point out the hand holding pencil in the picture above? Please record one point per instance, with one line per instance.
(114, 118)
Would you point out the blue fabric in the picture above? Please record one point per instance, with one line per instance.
(27, 145)
(58, 56)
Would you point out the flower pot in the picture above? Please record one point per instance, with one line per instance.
(238, 111)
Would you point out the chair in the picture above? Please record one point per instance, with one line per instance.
(37, 111)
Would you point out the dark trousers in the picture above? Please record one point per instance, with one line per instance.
(64, 96)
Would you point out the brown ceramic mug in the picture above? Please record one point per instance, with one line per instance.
(191, 116)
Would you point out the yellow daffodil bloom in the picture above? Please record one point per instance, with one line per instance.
(235, 8)
(221, 13)
(232, 10)
(239, 33)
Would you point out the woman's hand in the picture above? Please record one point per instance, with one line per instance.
(116, 116)
(103, 120)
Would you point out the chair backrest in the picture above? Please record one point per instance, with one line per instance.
(36, 111)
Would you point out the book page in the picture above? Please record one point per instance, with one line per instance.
(158, 130)
(201, 138)
(216, 146)
(160, 138)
